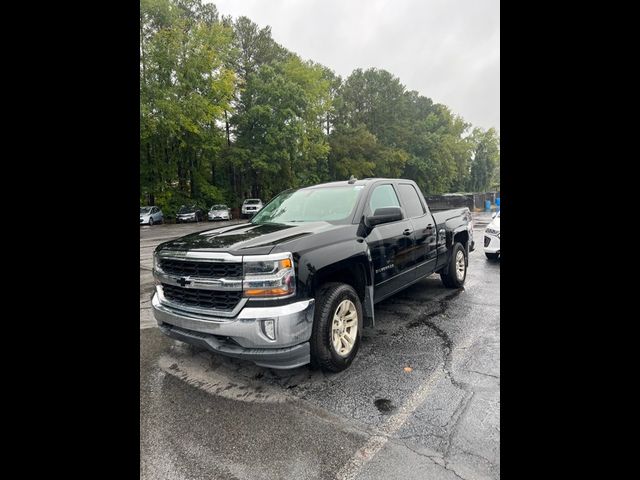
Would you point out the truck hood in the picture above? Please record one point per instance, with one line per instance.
(246, 238)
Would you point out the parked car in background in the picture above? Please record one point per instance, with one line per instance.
(191, 213)
(220, 212)
(150, 215)
(492, 238)
(251, 206)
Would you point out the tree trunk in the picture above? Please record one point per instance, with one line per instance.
(142, 51)
(226, 125)
(182, 177)
(235, 183)
(192, 183)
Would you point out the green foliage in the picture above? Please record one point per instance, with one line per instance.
(227, 113)
(485, 172)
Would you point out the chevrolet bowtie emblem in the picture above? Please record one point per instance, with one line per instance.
(183, 281)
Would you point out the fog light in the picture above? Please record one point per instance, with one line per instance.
(269, 328)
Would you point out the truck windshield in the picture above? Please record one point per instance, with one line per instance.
(329, 204)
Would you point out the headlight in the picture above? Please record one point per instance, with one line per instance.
(492, 231)
(269, 276)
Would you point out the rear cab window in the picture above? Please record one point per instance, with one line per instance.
(412, 204)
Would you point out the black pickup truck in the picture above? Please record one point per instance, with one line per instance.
(298, 283)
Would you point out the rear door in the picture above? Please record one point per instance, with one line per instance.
(424, 229)
(390, 244)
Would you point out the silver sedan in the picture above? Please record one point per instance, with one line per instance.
(219, 212)
(151, 215)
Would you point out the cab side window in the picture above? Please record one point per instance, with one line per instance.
(411, 201)
(381, 197)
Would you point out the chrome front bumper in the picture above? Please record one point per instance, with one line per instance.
(242, 336)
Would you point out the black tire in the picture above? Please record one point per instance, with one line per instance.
(323, 353)
(449, 275)
(150, 221)
(492, 256)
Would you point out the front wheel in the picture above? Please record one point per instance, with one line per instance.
(337, 327)
(150, 221)
(455, 273)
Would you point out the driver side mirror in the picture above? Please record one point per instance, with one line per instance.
(384, 215)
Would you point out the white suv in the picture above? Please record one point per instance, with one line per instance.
(251, 206)
(492, 238)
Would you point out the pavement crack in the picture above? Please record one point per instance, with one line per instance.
(461, 411)
(436, 460)
(485, 374)
(489, 462)
(448, 346)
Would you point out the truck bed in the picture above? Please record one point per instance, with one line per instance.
(452, 218)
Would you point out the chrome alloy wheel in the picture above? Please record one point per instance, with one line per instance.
(344, 330)
(460, 266)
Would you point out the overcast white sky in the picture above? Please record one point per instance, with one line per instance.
(448, 50)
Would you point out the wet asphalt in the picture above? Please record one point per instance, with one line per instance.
(421, 400)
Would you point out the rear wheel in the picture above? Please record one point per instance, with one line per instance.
(455, 273)
(150, 221)
(337, 327)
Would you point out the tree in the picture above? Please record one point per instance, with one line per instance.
(279, 129)
(227, 112)
(486, 159)
(416, 138)
(185, 88)
(372, 98)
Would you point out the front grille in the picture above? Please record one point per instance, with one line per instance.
(187, 268)
(487, 241)
(215, 299)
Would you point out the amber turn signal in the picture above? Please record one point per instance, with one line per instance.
(258, 292)
(285, 263)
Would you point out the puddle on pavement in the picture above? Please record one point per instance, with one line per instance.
(384, 405)
(198, 372)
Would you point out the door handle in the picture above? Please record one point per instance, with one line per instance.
(407, 231)
(429, 228)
